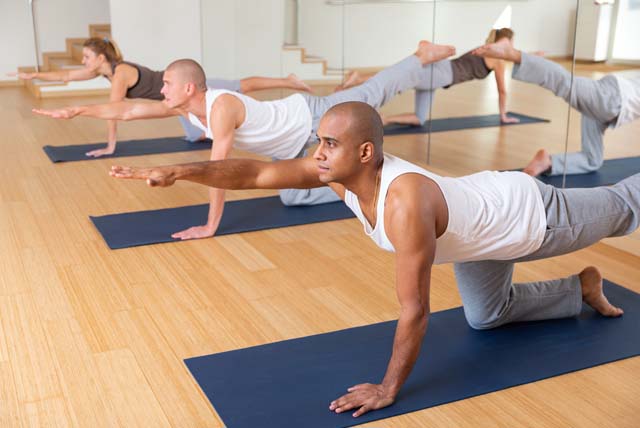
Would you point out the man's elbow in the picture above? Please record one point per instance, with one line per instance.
(418, 314)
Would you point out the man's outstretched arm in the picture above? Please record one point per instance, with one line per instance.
(230, 174)
(121, 110)
(414, 257)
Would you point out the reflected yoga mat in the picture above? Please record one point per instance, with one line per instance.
(247, 215)
(457, 123)
(150, 146)
(291, 383)
(612, 171)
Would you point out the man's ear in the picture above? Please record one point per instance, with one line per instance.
(191, 88)
(367, 151)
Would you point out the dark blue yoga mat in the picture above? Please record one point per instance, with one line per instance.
(150, 146)
(611, 172)
(247, 215)
(457, 123)
(291, 383)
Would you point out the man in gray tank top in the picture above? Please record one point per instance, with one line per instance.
(185, 95)
(350, 160)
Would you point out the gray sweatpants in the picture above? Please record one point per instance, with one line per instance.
(576, 218)
(598, 101)
(386, 84)
(192, 132)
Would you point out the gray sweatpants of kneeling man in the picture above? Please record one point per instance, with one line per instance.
(576, 218)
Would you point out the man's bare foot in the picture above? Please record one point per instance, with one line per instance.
(592, 295)
(298, 84)
(502, 49)
(540, 163)
(430, 52)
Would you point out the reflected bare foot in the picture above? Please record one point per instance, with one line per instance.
(540, 163)
(592, 295)
(430, 52)
(502, 49)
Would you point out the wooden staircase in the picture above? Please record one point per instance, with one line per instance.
(67, 59)
(307, 67)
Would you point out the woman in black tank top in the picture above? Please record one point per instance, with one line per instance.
(101, 57)
(447, 73)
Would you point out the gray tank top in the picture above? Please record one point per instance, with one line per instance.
(468, 67)
(147, 86)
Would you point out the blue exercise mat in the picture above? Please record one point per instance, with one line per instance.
(150, 146)
(291, 383)
(247, 215)
(457, 123)
(611, 172)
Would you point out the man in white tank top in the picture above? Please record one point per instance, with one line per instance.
(609, 102)
(484, 223)
(281, 129)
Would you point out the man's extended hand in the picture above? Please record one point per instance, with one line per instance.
(156, 177)
(365, 397)
(61, 113)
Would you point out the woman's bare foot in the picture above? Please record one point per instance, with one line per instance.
(502, 49)
(592, 295)
(298, 84)
(430, 52)
(353, 79)
(540, 163)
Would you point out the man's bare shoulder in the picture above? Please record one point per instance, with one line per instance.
(411, 205)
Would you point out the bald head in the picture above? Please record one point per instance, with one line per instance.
(190, 72)
(361, 123)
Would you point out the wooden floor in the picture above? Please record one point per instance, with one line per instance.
(91, 337)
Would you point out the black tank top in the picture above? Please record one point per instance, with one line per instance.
(147, 86)
(468, 67)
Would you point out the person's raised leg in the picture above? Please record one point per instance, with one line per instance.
(599, 99)
(259, 83)
(376, 91)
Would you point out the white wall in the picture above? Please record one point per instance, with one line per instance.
(57, 20)
(15, 37)
(242, 37)
(380, 34)
(156, 32)
(626, 43)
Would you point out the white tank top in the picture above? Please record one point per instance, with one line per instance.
(630, 99)
(278, 129)
(492, 215)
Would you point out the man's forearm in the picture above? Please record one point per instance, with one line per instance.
(406, 348)
(226, 174)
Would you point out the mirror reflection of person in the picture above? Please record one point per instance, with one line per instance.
(609, 102)
(446, 73)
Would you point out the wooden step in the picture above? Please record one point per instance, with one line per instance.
(63, 63)
(100, 30)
